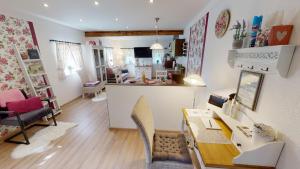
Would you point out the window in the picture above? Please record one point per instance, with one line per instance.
(128, 56)
(108, 54)
(69, 58)
(158, 55)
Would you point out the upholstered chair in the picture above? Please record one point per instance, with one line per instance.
(164, 150)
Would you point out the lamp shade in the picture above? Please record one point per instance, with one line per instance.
(156, 46)
(194, 80)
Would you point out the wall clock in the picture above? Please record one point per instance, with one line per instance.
(222, 23)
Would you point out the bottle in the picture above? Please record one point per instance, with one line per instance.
(225, 107)
(229, 104)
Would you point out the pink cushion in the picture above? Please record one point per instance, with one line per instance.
(10, 96)
(25, 106)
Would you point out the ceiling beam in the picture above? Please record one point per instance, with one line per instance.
(132, 33)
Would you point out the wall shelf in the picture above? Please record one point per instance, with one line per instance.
(269, 59)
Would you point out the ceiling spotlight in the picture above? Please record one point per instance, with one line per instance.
(116, 19)
(96, 3)
(127, 27)
(45, 5)
(151, 1)
(81, 20)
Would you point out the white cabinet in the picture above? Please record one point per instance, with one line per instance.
(100, 64)
(270, 59)
(139, 70)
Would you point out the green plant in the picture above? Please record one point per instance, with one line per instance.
(240, 30)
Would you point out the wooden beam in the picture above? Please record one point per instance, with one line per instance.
(133, 33)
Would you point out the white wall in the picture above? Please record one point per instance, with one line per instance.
(65, 90)
(279, 102)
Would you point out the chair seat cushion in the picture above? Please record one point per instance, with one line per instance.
(170, 146)
(27, 118)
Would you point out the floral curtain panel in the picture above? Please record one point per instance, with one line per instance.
(13, 32)
(197, 46)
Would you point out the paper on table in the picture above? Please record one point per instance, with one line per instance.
(199, 113)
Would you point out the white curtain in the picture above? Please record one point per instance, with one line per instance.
(108, 54)
(129, 60)
(158, 55)
(128, 56)
(69, 59)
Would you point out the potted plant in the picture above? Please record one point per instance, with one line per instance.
(239, 35)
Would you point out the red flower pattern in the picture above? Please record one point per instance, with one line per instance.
(3, 61)
(2, 18)
(13, 32)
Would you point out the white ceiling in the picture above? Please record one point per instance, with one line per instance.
(136, 14)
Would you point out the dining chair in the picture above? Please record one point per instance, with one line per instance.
(164, 150)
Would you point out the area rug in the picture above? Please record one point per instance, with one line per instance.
(100, 98)
(41, 140)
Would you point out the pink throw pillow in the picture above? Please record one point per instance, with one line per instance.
(10, 96)
(25, 106)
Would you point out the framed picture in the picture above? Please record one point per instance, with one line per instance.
(33, 54)
(249, 89)
(197, 45)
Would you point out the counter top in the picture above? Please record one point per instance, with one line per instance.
(152, 83)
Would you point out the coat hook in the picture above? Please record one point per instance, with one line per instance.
(252, 67)
(266, 69)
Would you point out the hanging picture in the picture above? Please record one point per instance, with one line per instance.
(222, 23)
(197, 46)
(249, 88)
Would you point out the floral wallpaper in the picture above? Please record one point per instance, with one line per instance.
(17, 32)
(197, 46)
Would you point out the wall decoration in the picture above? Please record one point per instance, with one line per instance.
(222, 23)
(239, 34)
(249, 88)
(197, 46)
(256, 26)
(13, 31)
(280, 35)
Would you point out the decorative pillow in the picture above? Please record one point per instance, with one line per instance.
(11, 95)
(25, 106)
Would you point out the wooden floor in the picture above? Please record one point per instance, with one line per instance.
(90, 145)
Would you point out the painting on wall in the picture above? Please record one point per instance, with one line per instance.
(197, 45)
(249, 88)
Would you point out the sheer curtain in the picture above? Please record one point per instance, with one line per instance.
(69, 59)
(129, 60)
(158, 55)
(108, 54)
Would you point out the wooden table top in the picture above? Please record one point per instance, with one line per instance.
(219, 155)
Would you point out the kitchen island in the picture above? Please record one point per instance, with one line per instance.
(165, 99)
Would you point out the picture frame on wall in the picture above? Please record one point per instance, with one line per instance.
(196, 47)
(249, 88)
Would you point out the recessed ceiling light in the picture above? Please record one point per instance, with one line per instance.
(96, 3)
(81, 20)
(151, 1)
(116, 19)
(45, 5)
(127, 27)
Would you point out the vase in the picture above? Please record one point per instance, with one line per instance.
(237, 44)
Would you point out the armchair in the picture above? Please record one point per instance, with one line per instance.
(19, 110)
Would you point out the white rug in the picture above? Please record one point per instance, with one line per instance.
(41, 140)
(100, 97)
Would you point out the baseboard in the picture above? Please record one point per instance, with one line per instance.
(124, 129)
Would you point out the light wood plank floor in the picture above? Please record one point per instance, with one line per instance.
(90, 145)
